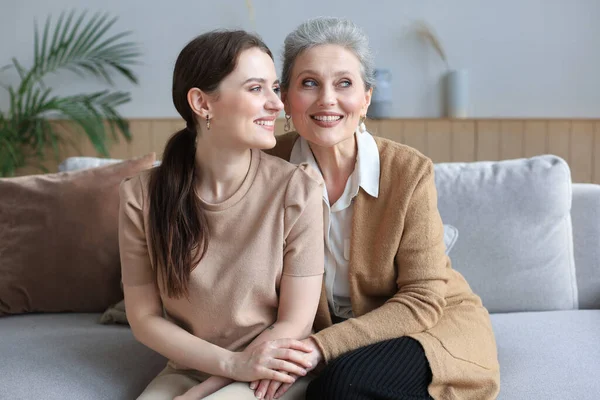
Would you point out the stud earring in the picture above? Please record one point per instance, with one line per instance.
(207, 123)
(287, 126)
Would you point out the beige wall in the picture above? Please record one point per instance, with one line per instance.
(577, 141)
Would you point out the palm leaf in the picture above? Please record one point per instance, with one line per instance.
(73, 49)
(84, 47)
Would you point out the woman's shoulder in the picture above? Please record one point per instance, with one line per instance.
(400, 159)
(277, 169)
(135, 187)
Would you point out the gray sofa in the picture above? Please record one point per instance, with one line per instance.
(523, 228)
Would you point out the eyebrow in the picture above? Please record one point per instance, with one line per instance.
(311, 72)
(259, 80)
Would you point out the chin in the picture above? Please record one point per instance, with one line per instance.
(264, 144)
(328, 138)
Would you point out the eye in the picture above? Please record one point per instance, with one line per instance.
(345, 83)
(255, 89)
(277, 89)
(309, 83)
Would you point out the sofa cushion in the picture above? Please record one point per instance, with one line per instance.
(77, 163)
(59, 239)
(450, 237)
(548, 355)
(516, 244)
(72, 357)
(585, 214)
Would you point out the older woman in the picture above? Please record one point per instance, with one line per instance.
(395, 321)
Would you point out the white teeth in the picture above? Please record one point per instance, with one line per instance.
(327, 118)
(266, 123)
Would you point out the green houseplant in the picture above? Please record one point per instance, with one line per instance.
(83, 46)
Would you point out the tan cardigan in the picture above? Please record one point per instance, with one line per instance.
(402, 283)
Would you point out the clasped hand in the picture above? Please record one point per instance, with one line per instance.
(273, 389)
(277, 360)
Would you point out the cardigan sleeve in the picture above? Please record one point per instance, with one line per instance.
(422, 276)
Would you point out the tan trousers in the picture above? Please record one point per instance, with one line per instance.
(173, 382)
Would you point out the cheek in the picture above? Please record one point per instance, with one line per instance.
(300, 102)
(240, 107)
(353, 103)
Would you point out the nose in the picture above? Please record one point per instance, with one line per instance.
(274, 103)
(326, 97)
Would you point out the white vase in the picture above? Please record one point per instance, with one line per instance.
(457, 93)
(381, 101)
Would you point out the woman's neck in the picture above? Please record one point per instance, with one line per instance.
(337, 164)
(220, 172)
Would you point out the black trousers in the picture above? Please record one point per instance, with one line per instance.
(395, 369)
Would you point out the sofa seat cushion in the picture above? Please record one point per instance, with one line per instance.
(71, 356)
(549, 355)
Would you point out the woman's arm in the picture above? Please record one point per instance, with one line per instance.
(303, 258)
(422, 278)
(297, 308)
(304, 253)
(298, 304)
(145, 314)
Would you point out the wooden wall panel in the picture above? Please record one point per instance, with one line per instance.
(393, 129)
(464, 144)
(581, 155)
(142, 141)
(596, 171)
(511, 139)
(488, 140)
(535, 140)
(373, 126)
(414, 135)
(577, 141)
(439, 140)
(559, 138)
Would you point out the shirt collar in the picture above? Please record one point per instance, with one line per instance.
(368, 167)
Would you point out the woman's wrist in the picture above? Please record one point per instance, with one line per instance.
(226, 365)
(316, 354)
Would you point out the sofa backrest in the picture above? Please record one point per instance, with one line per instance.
(515, 236)
(585, 215)
(515, 242)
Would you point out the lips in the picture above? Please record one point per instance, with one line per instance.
(327, 117)
(326, 120)
(265, 121)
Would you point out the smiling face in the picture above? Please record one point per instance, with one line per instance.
(326, 96)
(246, 104)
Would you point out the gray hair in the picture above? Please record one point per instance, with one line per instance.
(328, 30)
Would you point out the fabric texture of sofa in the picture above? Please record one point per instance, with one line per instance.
(528, 243)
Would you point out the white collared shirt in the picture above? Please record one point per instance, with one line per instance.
(337, 218)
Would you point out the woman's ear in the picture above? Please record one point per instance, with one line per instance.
(368, 95)
(199, 102)
(286, 108)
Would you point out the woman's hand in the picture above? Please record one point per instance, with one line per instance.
(267, 388)
(270, 389)
(272, 360)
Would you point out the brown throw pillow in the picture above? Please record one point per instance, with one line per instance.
(59, 247)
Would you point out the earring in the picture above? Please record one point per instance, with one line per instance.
(207, 123)
(287, 126)
(361, 126)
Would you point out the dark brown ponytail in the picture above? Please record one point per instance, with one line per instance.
(179, 232)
